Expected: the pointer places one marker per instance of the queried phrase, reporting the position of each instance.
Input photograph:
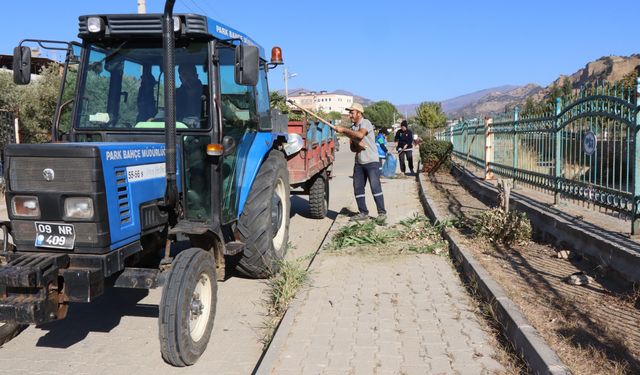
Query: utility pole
(286, 81)
(142, 6)
(286, 87)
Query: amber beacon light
(276, 56)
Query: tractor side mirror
(247, 65)
(228, 145)
(21, 65)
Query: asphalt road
(118, 332)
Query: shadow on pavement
(101, 315)
(300, 206)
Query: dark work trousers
(362, 173)
(408, 153)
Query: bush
(502, 227)
(35, 103)
(435, 154)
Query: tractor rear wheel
(264, 223)
(188, 307)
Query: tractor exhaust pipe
(168, 44)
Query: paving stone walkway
(400, 314)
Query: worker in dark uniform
(404, 139)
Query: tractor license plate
(55, 236)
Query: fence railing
(585, 147)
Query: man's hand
(357, 147)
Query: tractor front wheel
(9, 331)
(188, 307)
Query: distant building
(37, 63)
(322, 101)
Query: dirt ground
(594, 328)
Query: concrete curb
(540, 358)
(270, 356)
(611, 250)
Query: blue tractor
(150, 179)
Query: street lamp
(287, 75)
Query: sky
(403, 51)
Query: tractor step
(233, 247)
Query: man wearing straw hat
(367, 164)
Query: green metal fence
(583, 147)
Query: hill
(607, 68)
(459, 102)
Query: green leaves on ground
(361, 234)
(415, 234)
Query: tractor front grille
(69, 174)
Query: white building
(322, 101)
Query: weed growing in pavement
(509, 228)
(281, 290)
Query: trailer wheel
(9, 331)
(264, 223)
(319, 196)
(188, 307)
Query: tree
(8, 92)
(333, 116)
(381, 114)
(37, 105)
(628, 82)
(279, 102)
(529, 105)
(567, 88)
(430, 115)
(556, 92)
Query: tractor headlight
(95, 24)
(78, 208)
(25, 206)
(176, 24)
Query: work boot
(359, 217)
(381, 219)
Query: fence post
(516, 116)
(488, 148)
(451, 134)
(635, 221)
(16, 130)
(557, 157)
